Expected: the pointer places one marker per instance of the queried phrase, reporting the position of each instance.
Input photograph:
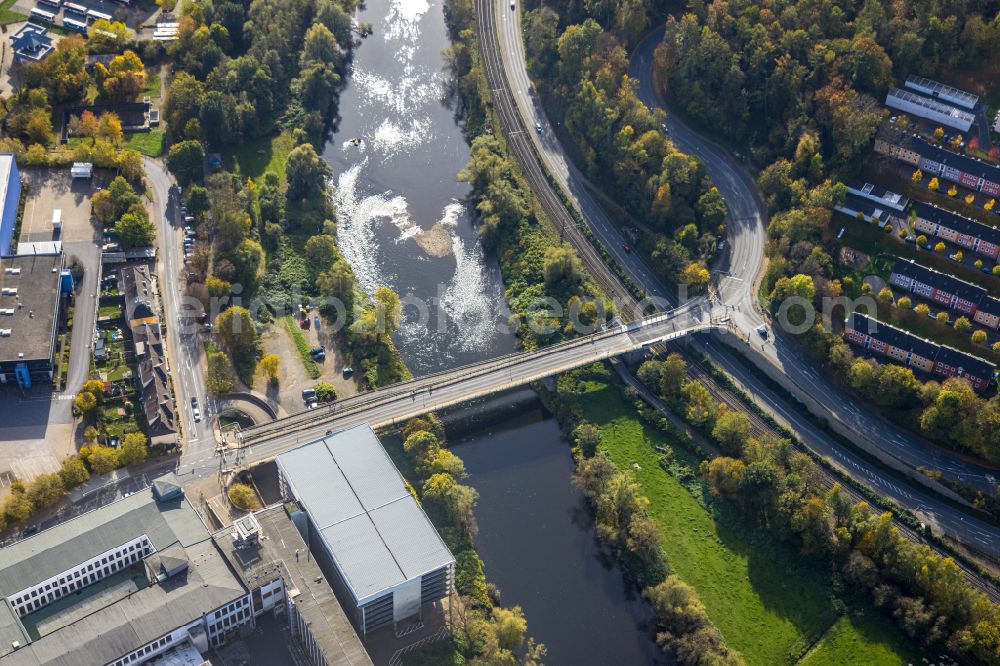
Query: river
(537, 539)
(403, 218)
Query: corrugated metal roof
(376, 533)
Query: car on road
(513, 5)
(348, 371)
(194, 401)
(762, 331)
(538, 127)
(626, 247)
(197, 415)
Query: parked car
(762, 331)
(953, 257)
(911, 240)
(308, 394)
(197, 415)
(513, 6)
(318, 353)
(194, 401)
(348, 371)
(987, 270)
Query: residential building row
(934, 160)
(152, 377)
(948, 291)
(881, 207)
(916, 352)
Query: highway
(736, 285)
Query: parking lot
(54, 189)
(134, 16)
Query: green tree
(561, 268)
(102, 459)
(133, 449)
(186, 160)
(270, 364)
(219, 378)
(321, 252)
(237, 331)
(732, 430)
(73, 472)
(135, 230)
(84, 402)
(963, 325)
(701, 407)
(306, 173)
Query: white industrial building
(942, 91)
(930, 109)
(381, 553)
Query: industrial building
(932, 109)
(119, 585)
(10, 198)
(31, 288)
(942, 91)
(381, 553)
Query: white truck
(57, 219)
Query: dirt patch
(856, 259)
(292, 375)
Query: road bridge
(399, 402)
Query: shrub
(904, 302)
(979, 338)
(242, 496)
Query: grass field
(148, 143)
(770, 603)
(8, 15)
(869, 638)
(254, 158)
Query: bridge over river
(399, 402)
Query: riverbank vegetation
(482, 632)
(778, 491)
(255, 75)
(765, 600)
(753, 74)
(534, 261)
(577, 55)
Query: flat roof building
(379, 549)
(118, 585)
(10, 198)
(942, 91)
(30, 290)
(931, 109)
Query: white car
(197, 415)
(513, 6)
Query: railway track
(523, 150)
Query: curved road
(737, 290)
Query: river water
(403, 219)
(537, 539)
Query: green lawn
(254, 158)
(152, 85)
(770, 603)
(8, 15)
(148, 143)
(109, 311)
(869, 638)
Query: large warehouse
(10, 198)
(381, 553)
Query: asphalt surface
(736, 286)
(399, 402)
(184, 343)
(740, 193)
